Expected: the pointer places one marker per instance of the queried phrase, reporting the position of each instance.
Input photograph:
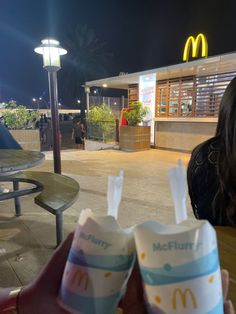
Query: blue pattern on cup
(103, 262)
(172, 274)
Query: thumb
(228, 307)
(54, 269)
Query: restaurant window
(186, 98)
(191, 96)
(174, 93)
(175, 97)
(162, 91)
(209, 92)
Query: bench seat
(58, 192)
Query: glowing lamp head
(87, 89)
(51, 51)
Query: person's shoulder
(204, 148)
(204, 155)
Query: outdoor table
(227, 250)
(15, 160)
(12, 160)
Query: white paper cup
(98, 267)
(180, 267)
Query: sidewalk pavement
(27, 242)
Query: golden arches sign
(183, 298)
(194, 43)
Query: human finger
(54, 269)
(133, 301)
(228, 307)
(225, 282)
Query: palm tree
(86, 60)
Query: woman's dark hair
(225, 199)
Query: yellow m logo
(195, 44)
(78, 278)
(183, 297)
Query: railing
(105, 131)
(114, 103)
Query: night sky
(140, 35)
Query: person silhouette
(7, 141)
(211, 172)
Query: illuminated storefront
(187, 95)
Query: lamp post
(87, 92)
(51, 51)
(35, 100)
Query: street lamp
(87, 92)
(51, 51)
(35, 100)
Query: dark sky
(141, 34)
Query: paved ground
(27, 242)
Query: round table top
(18, 159)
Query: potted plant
(135, 137)
(101, 128)
(22, 124)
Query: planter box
(134, 138)
(28, 139)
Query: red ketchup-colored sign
(123, 121)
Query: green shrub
(102, 119)
(136, 114)
(11, 104)
(20, 118)
(100, 113)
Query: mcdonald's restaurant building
(184, 98)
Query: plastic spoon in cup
(178, 188)
(114, 194)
